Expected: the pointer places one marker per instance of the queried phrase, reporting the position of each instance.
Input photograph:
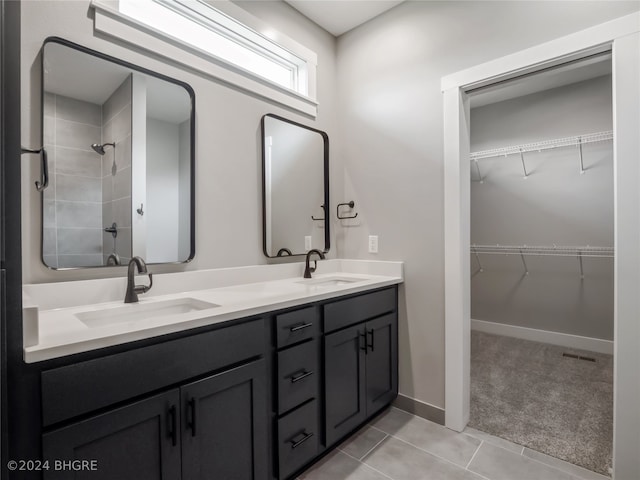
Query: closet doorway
(622, 38)
(541, 266)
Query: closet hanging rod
(565, 251)
(543, 145)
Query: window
(220, 39)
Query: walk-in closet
(542, 284)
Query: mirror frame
(327, 210)
(192, 145)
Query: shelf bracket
(580, 155)
(524, 167)
(524, 263)
(580, 260)
(475, 160)
(478, 260)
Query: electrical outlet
(307, 243)
(373, 244)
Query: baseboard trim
(554, 338)
(421, 409)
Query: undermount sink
(330, 281)
(135, 312)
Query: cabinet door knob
(192, 416)
(371, 345)
(173, 425)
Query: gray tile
(117, 101)
(80, 189)
(49, 241)
(497, 441)
(499, 464)
(121, 212)
(402, 461)
(76, 135)
(49, 130)
(338, 465)
(79, 214)
(123, 242)
(362, 442)
(68, 108)
(74, 241)
(570, 468)
(120, 125)
(73, 261)
(72, 161)
(107, 189)
(107, 161)
(49, 104)
(428, 436)
(123, 153)
(48, 212)
(122, 183)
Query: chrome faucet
(132, 289)
(308, 270)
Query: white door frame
(623, 38)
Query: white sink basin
(330, 281)
(135, 312)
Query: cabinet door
(224, 425)
(141, 440)
(344, 363)
(382, 362)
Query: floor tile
(362, 442)
(340, 466)
(402, 461)
(497, 463)
(580, 472)
(428, 436)
(497, 441)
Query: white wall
(389, 73)
(555, 204)
(229, 171)
(163, 191)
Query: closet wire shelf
(577, 140)
(555, 250)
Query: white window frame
(235, 24)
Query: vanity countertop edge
(57, 332)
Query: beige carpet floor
(529, 393)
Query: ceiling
(340, 16)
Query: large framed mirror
(120, 144)
(295, 170)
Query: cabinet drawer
(293, 327)
(86, 386)
(347, 312)
(297, 375)
(297, 439)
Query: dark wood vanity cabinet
(212, 427)
(261, 398)
(360, 361)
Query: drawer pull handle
(304, 374)
(300, 327)
(192, 422)
(306, 437)
(173, 425)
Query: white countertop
(53, 328)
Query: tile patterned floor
(399, 446)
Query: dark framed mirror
(120, 140)
(295, 187)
